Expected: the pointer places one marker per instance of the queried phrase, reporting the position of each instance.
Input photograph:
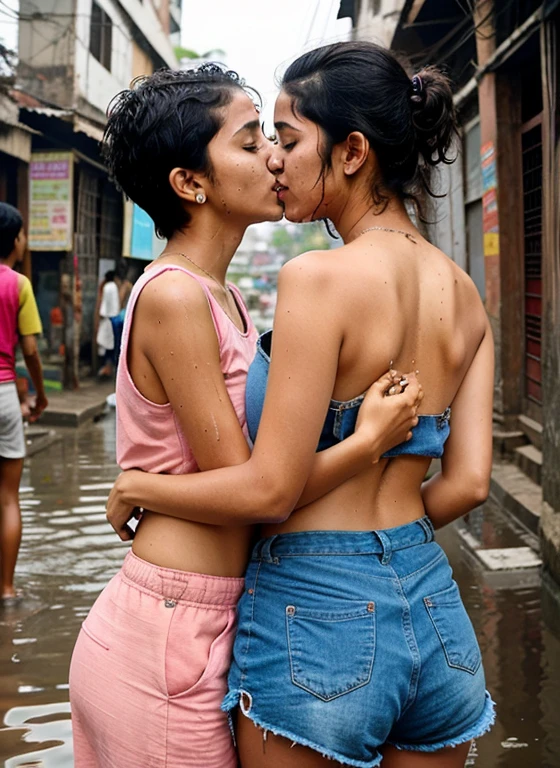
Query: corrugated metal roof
(49, 111)
(91, 130)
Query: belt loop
(426, 524)
(386, 545)
(266, 550)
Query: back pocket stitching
(329, 618)
(432, 602)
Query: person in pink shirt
(19, 322)
(148, 672)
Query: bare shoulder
(310, 268)
(170, 293)
(466, 285)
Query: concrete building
(500, 220)
(74, 56)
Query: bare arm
(466, 466)
(35, 369)
(173, 345)
(268, 486)
(173, 330)
(373, 436)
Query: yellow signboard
(491, 244)
(51, 189)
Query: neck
(10, 261)
(210, 242)
(359, 214)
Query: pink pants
(149, 670)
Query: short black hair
(110, 276)
(360, 86)
(11, 224)
(162, 122)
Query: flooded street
(69, 552)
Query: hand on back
(390, 410)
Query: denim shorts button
(290, 610)
(170, 603)
(371, 607)
(250, 591)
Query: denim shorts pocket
(331, 652)
(454, 629)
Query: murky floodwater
(69, 552)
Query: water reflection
(69, 553)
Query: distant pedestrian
(110, 307)
(125, 287)
(19, 321)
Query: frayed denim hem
(482, 726)
(236, 698)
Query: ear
(355, 152)
(186, 184)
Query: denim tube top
(428, 437)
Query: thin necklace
(388, 229)
(225, 290)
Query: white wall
(379, 27)
(448, 213)
(93, 82)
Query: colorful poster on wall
(142, 231)
(139, 238)
(490, 222)
(51, 188)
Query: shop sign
(490, 223)
(51, 186)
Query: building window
(100, 35)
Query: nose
(275, 163)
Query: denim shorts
(350, 640)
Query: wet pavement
(69, 552)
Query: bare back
(405, 305)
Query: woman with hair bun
(353, 643)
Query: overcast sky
(258, 36)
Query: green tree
(187, 53)
(301, 238)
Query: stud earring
(200, 198)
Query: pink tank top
(9, 308)
(149, 435)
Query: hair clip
(417, 84)
(418, 95)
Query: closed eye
(289, 146)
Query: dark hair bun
(433, 115)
